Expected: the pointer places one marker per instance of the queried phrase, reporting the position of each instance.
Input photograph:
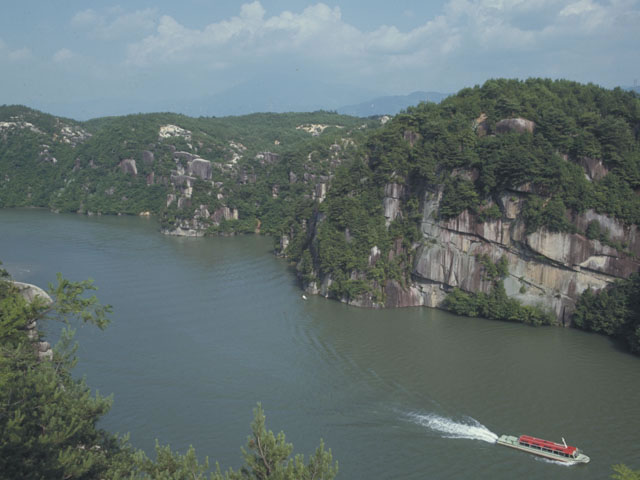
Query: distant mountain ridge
(392, 104)
(274, 93)
(278, 94)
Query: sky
(106, 57)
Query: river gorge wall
(545, 269)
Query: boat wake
(468, 428)
(555, 462)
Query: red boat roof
(547, 444)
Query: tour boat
(551, 450)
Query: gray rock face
(32, 293)
(284, 242)
(245, 178)
(184, 232)
(267, 158)
(519, 125)
(224, 213)
(184, 202)
(200, 168)
(128, 166)
(481, 125)
(183, 156)
(562, 266)
(411, 137)
(201, 212)
(320, 192)
(397, 296)
(391, 201)
(148, 157)
(182, 180)
(594, 168)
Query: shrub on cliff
(614, 311)
(495, 305)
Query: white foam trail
(471, 428)
(555, 462)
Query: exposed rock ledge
(31, 292)
(183, 232)
(545, 269)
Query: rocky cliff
(460, 188)
(546, 269)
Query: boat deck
(514, 442)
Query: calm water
(203, 329)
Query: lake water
(203, 329)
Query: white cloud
(114, 23)
(85, 19)
(535, 36)
(16, 55)
(20, 54)
(582, 7)
(63, 55)
(319, 30)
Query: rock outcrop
(32, 293)
(148, 157)
(128, 166)
(391, 202)
(593, 167)
(546, 269)
(199, 167)
(518, 125)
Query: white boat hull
(512, 442)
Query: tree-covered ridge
(48, 419)
(133, 164)
(562, 147)
(573, 125)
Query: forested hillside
(507, 200)
(206, 174)
(538, 176)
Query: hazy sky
(53, 52)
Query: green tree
(622, 472)
(268, 456)
(48, 419)
(614, 311)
